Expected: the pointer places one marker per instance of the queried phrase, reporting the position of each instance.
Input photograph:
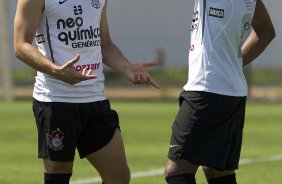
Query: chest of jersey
(230, 16)
(74, 21)
(219, 28)
(66, 8)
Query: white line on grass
(155, 172)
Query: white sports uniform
(218, 31)
(67, 28)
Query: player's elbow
(17, 52)
(18, 49)
(267, 34)
(272, 33)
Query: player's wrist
(54, 70)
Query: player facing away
(69, 103)
(207, 131)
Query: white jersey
(218, 30)
(67, 28)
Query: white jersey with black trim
(219, 28)
(67, 28)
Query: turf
(146, 130)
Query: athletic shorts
(65, 127)
(208, 130)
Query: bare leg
(176, 167)
(110, 161)
(57, 167)
(214, 176)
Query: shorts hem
(106, 142)
(56, 159)
(203, 163)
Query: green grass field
(146, 132)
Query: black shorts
(208, 130)
(65, 127)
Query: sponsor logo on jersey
(96, 4)
(74, 32)
(62, 1)
(247, 26)
(214, 12)
(92, 66)
(40, 38)
(55, 140)
(87, 37)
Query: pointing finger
(84, 71)
(89, 72)
(150, 81)
(156, 85)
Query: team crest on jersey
(55, 140)
(96, 4)
(247, 26)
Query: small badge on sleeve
(40, 38)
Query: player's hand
(137, 74)
(66, 72)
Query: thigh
(110, 161)
(99, 125)
(57, 130)
(208, 129)
(189, 126)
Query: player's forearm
(114, 58)
(32, 57)
(255, 44)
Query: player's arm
(113, 57)
(27, 19)
(263, 33)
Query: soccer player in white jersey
(207, 131)
(69, 103)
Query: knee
(169, 170)
(176, 167)
(121, 176)
(214, 173)
(166, 171)
(57, 167)
(124, 176)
